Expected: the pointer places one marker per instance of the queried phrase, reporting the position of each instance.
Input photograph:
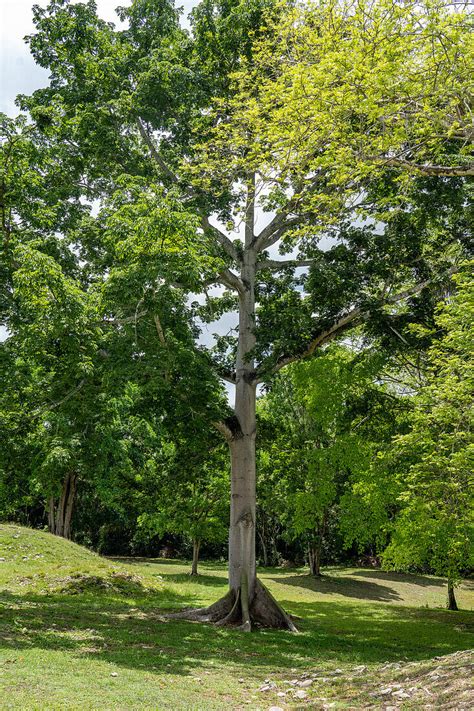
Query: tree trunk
(451, 603)
(314, 557)
(242, 565)
(261, 534)
(194, 566)
(59, 518)
(247, 601)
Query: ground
(82, 632)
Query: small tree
(435, 459)
(323, 433)
(192, 502)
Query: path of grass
(81, 632)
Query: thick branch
(275, 229)
(349, 320)
(447, 171)
(227, 377)
(223, 240)
(345, 322)
(224, 430)
(155, 153)
(126, 319)
(275, 264)
(231, 280)
(159, 330)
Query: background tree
(329, 417)
(435, 459)
(191, 500)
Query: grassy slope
(70, 619)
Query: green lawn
(80, 631)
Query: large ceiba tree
(334, 133)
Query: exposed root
(231, 611)
(266, 611)
(233, 616)
(213, 613)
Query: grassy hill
(79, 631)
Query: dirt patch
(439, 683)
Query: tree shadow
(348, 587)
(132, 632)
(210, 564)
(200, 579)
(421, 580)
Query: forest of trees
(302, 174)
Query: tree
(196, 117)
(323, 422)
(190, 496)
(434, 460)
(76, 396)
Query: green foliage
(434, 460)
(323, 421)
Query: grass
(79, 631)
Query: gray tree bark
(242, 566)
(451, 602)
(194, 565)
(314, 557)
(60, 516)
(247, 601)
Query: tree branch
(275, 229)
(126, 319)
(349, 320)
(224, 430)
(223, 240)
(231, 280)
(228, 378)
(427, 169)
(345, 322)
(275, 264)
(155, 153)
(159, 330)
(58, 403)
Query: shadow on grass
(130, 632)
(348, 587)
(178, 577)
(421, 580)
(212, 580)
(210, 564)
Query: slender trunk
(69, 507)
(196, 547)
(261, 534)
(314, 557)
(451, 603)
